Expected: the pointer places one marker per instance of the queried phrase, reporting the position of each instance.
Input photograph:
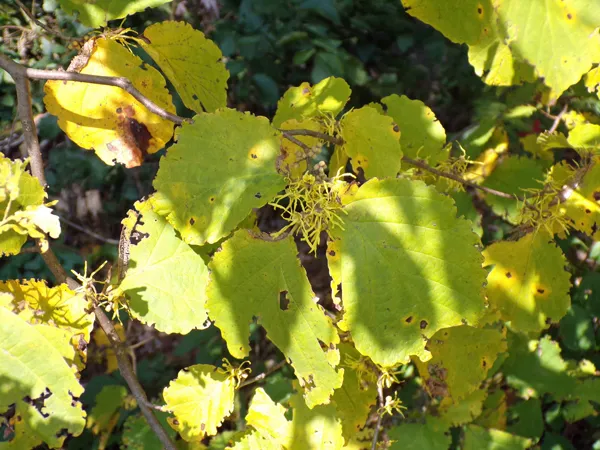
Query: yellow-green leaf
(199, 76)
(201, 397)
(106, 118)
(31, 366)
(421, 134)
(409, 267)
(223, 166)
(419, 436)
(251, 277)
(326, 98)
(477, 438)
(267, 417)
(371, 140)
(97, 13)
(461, 358)
(528, 283)
(166, 280)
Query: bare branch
(89, 232)
(265, 374)
(317, 134)
(557, 120)
(298, 142)
(379, 416)
(451, 176)
(41, 25)
(20, 77)
(120, 82)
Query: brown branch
(298, 142)
(41, 25)
(20, 77)
(557, 119)
(317, 134)
(89, 232)
(451, 176)
(379, 416)
(120, 82)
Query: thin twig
(41, 25)
(265, 374)
(379, 416)
(19, 75)
(451, 176)
(298, 142)
(557, 119)
(36, 74)
(89, 232)
(317, 134)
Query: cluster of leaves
(412, 284)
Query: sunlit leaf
(201, 397)
(31, 366)
(223, 166)
(326, 98)
(371, 140)
(461, 358)
(477, 438)
(98, 12)
(199, 76)
(166, 280)
(528, 283)
(251, 277)
(421, 134)
(408, 268)
(106, 118)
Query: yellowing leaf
(31, 366)
(453, 413)
(421, 134)
(58, 313)
(461, 358)
(267, 417)
(406, 234)
(585, 136)
(293, 159)
(107, 119)
(592, 80)
(318, 428)
(353, 399)
(327, 97)
(21, 208)
(97, 13)
(201, 397)
(223, 166)
(251, 277)
(371, 140)
(167, 278)
(562, 47)
(528, 283)
(199, 75)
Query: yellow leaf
(199, 75)
(106, 118)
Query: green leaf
(528, 283)
(97, 13)
(453, 414)
(403, 242)
(201, 397)
(525, 419)
(104, 414)
(199, 76)
(137, 434)
(371, 140)
(31, 366)
(166, 280)
(477, 438)
(577, 329)
(418, 436)
(354, 399)
(460, 359)
(560, 61)
(585, 138)
(304, 102)
(513, 175)
(421, 134)
(222, 167)
(251, 277)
